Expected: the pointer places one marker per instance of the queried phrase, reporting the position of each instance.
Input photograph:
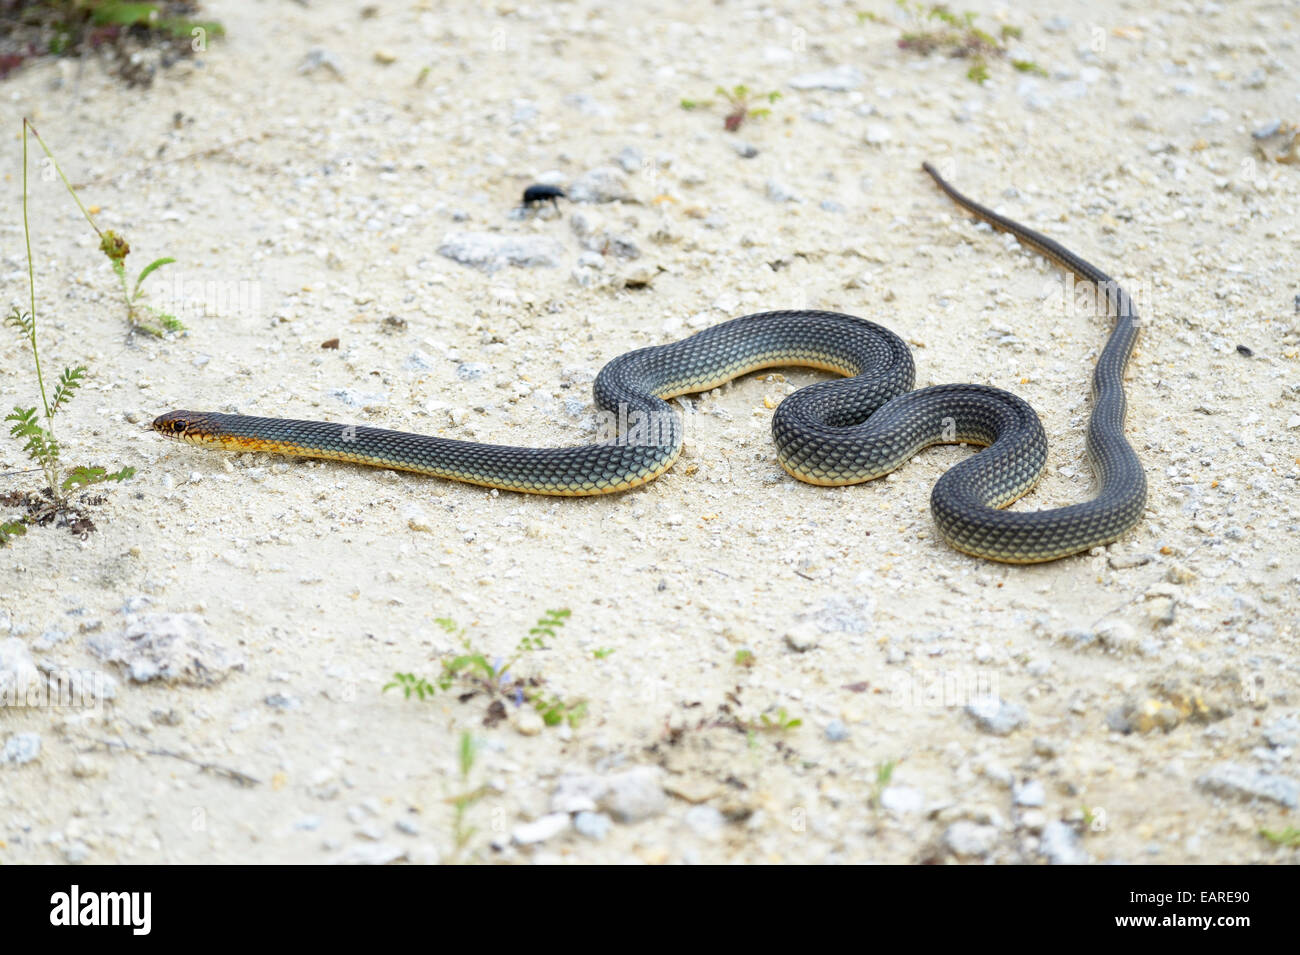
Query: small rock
(1033, 820)
(1046, 748)
(21, 748)
(969, 839)
(490, 251)
(417, 519)
(602, 184)
(76, 852)
(84, 767)
(705, 821)
(836, 731)
(357, 399)
(19, 678)
(471, 371)
(577, 792)
(1243, 782)
(320, 58)
(904, 800)
(780, 192)
(1160, 611)
(635, 794)
(878, 134)
(994, 715)
(547, 827)
(1283, 732)
(838, 79)
(1118, 635)
(372, 853)
(1030, 793)
(1060, 845)
(802, 637)
(172, 647)
(418, 361)
(593, 825)
(745, 150)
(528, 722)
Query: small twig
(234, 775)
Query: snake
(851, 429)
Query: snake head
(182, 425)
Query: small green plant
(144, 317)
(1289, 837)
(884, 773)
(11, 529)
(782, 722)
(34, 426)
(149, 16)
(956, 35)
(120, 28)
(555, 711)
(411, 685)
(602, 652)
(744, 658)
(461, 803)
(139, 315)
(496, 678)
(545, 627)
(739, 109)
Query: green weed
(472, 672)
(930, 28)
(739, 109)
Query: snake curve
(842, 431)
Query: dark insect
(540, 193)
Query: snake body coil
(843, 431)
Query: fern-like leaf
(39, 444)
(20, 320)
(68, 384)
(85, 477)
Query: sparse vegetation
(474, 673)
(461, 802)
(930, 28)
(119, 31)
(115, 247)
(1288, 837)
(739, 100)
(884, 773)
(782, 722)
(34, 425)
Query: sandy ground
(1136, 704)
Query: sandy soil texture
(757, 670)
